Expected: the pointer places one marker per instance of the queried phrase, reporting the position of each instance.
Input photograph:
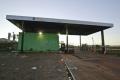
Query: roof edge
(26, 18)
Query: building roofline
(53, 20)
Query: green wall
(37, 42)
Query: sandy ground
(42, 66)
(93, 67)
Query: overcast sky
(86, 10)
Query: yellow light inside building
(40, 33)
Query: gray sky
(86, 10)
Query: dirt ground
(93, 66)
(50, 66)
(38, 66)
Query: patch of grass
(111, 52)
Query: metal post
(80, 42)
(66, 37)
(93, 45)
(93, 41)
(103, 42)
(22, 37)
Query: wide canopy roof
(50, 25)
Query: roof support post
(22, 37)
(103, 42)
(80, 42)
(66, 37)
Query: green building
(39, 42)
